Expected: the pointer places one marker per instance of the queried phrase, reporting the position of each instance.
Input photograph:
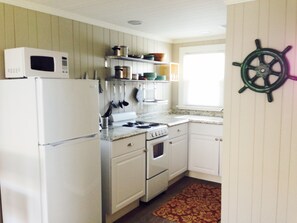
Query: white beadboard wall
(86, 45)
(259, 183)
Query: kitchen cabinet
(204, 148)
(178, 150)
(123, 172)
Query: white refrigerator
(49, 151)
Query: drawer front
(178, 130)
(127, 145)
(206, 129)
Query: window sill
(200, 108)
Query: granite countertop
(175, 119)
(116, 133)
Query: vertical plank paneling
(98, 37)
(246, 127)
(2, 40)
(292, 184)
(55, 33)
(286, 125)
(9, 26)
(32, 28)
(83, 49)
(76, 50)
(21, 27)
(66, 42)
(259, 121)
(44, 34)
(85, 44)
(271, 185)
(227, 117)
(235, 114)
(90, 53)
(273, 120)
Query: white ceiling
(173, 20)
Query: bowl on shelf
(158, 56)
(161, 78)
(150, 75)
(148, 57)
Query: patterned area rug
(197, 203)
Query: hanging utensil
(114, 94)
(109, 110)
(125, 103)
(100, 87)
(120, 93)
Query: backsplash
(115, 91)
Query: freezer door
(71, 182)
(67, 109)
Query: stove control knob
(152, 134)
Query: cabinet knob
(216, 139)
(178, 130)
(130, 144)
(170, 142)
(221, 140)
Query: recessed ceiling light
(135, 22)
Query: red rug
(197, 203)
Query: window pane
(203, 77)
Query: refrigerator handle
(78, 139)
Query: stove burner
(143, 126)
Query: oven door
(157, 156)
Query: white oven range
(157, 161)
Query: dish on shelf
(150, 75)
(135, 56)
(158, 56)
(161, 78)
(148, 57)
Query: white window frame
(191, 50)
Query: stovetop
(141, 124)
(153, 130)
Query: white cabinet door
(178, 156)
(204, 154)
(128, 179)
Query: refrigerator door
(71, 181)
(67, 109)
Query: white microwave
(30, 62)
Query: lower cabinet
(128, 179)
(204, 148)
(123, 173)
(178, 150)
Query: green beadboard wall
(85, 44)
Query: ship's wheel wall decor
(265, 70)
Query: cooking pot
(118, 72)
(120, 51)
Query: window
(201, 84)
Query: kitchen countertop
(116, 133)
(175, 119)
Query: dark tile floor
(144, 213)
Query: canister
(124, 51)
(118, 72)
(127, 72)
